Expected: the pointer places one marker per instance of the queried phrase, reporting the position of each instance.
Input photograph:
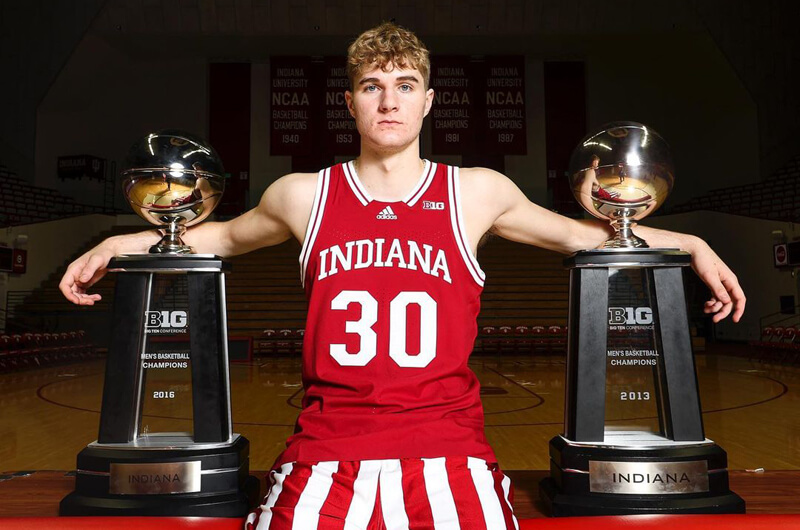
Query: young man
(391, 431)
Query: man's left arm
(503, 209)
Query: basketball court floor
(47, 415)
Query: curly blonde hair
(387, 46)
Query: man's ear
(348, 97)
(428, 101)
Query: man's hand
(726, 293)
(92, 266)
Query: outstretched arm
(511, 215)
(282, 212)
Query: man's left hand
(726, 293)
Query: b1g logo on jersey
(163, 322)
(432, 205)
(630, 316)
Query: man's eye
(406, 88)
(370, 88)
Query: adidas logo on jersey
(386, 213)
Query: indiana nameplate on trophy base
(648, 478)
(154, 479)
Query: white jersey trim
(355, 184)
(459, 230)
(315, 220)
(361, 193)
(422, 184)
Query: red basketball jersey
(394, 292)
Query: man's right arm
(283, 211)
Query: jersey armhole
(459, 228)
(314, 220)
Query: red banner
(292, 102)
(339, 133)
(503, 114)
(453, 109)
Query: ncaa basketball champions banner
(292, 104)
(502, 90)
(338, 127)
(479, 104)
(453, 110)
(308, 111)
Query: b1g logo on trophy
(168, 358)
(633, 437)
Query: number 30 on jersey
(398, 312)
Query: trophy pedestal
(639, 476)
(629, 343)
(168, 360)
(164, 475)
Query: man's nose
(388, 101)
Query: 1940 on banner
(292, 101)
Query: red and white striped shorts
(461, 493)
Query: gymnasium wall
(109, 94)
(51, 244)
(105, 99)
(745, 244)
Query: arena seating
(23, 203)
(524, 302)
(37, 349)
(777, 344)
(777, 197)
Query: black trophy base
(572, 491)
(222, 477)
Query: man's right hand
(92, 266)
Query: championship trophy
(168, 357)
(633, 438)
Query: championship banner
(453, 110)
(291, 104)
(503, 117)
(339, 134)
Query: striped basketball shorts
(453, 493)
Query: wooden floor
(752, 410)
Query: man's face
(389, 106)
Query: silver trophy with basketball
(633, 439)
(622, 174)
(173, 180)
(167, 366)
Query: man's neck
(389, 177)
